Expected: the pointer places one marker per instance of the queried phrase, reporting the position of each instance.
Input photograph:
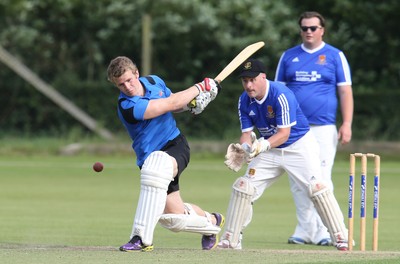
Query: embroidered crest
(270, 112)
(321, 59)
(247, 65)
(252, 172)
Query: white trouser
(309, 226)
(299, 161)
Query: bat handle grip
(192, 104)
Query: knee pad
(157, 170)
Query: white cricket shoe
(226, 244)
(342, 245)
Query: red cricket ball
(98, 166)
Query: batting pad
(329, 211)
(188, 223)
(156, 174)
(239, 210)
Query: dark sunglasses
(313, 28)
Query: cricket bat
(235, 63)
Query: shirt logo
(270, 112)
(304, 76)
(267, 131)
(252, 113)
(296, 59)
(321, 59)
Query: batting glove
(209, 85)
(215, 87)
(202, 100)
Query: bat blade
(238, 60)
(235, 63)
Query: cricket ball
(98, 166)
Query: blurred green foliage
(68, 43)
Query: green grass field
(56, 209)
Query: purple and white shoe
(211, 241)
(135, 244)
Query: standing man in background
(317, 73)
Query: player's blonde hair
(119, 66)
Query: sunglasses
(312, 28)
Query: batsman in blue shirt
(145, 107)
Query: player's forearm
(174, 103)
(245, 138)
(346, 105)
(277, 140)
(181, 99)
(280, 137)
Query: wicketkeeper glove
(258, 145)
(236, 156)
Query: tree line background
(69, 43)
